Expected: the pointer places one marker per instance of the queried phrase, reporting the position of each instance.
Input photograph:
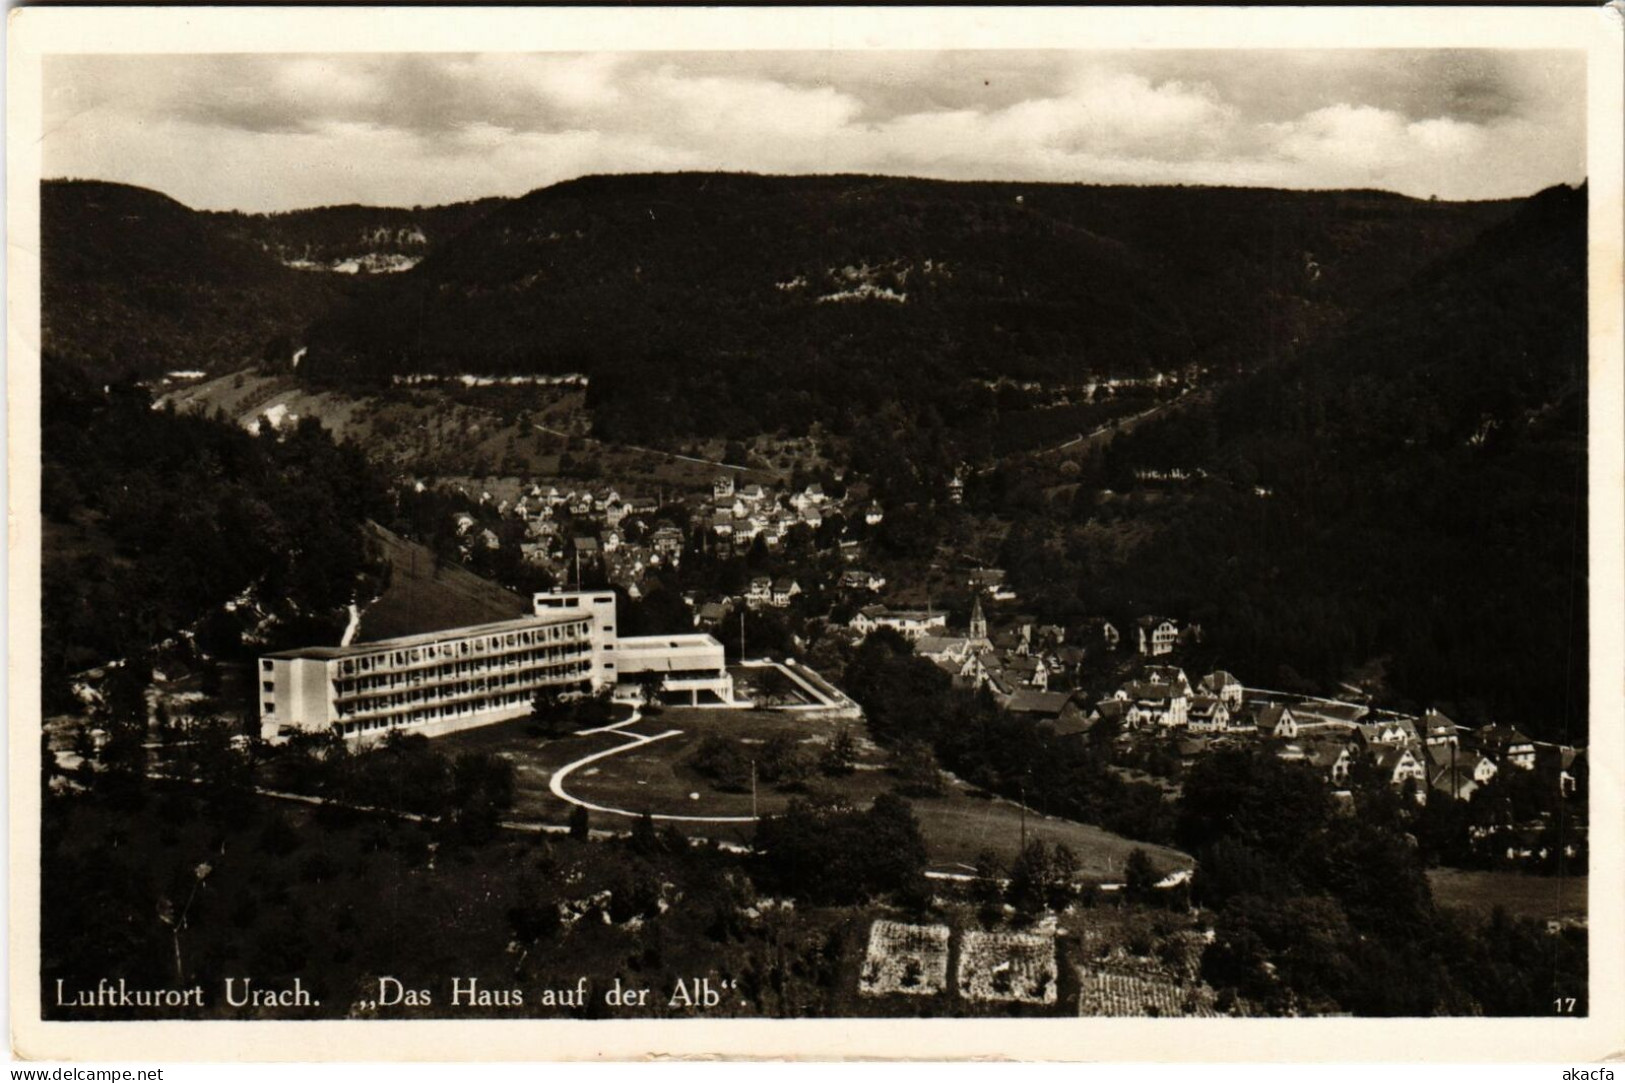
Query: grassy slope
(465, 437)
(422, 597)
(1538, 897)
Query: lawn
(656, 777)
(1539, 897)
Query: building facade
(430, 684)
(439, 682)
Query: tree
(645, 841)
(1031, 877)
(548, 714)
(579, 825)
(1139, 877)
(482, 786)
(917, 772)
(826, 852)
(987, 889)
(784, 762)
(838, 758)
(652, 684)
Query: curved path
(634, 740)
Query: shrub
(723, 761)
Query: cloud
(274, 132)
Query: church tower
(978, 622)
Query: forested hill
(133, 282)
(1408, 500)
(733, 304)
(169, 528)
(352, 238)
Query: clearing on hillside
(426, 595)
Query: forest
(328, 234)
(1404, 505)
(134, 284)
(724, 304)
(155, 521)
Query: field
(1007, 966)
(469, 434)
(425, 596)
(1123, 993)
(902, 958)
(1540, 897)
(655, 776)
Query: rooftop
(356, 650)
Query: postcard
(1044, 534)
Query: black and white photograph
(993, 532)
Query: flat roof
(354, 650)
(666, 643)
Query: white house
(1157, 635)
(909, 623)
(1208, 714)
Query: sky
(277, 132)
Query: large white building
(439, 682)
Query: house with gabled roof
(1439, 730)
(1457, 771)
(1016, 639)
(1029, 670)
(1189, 750)
(1168, 675)
(1155, 703)
(1157, 635)
(1037, 703)
(1332, 758)
(1099, 630)
(1277, 720)
(1400, 764)
(909, 623)
(1224, 685)
(784, 590)
(1389, 731)
(858, 579)
(1112, 709)
(667, 540)
(1507, 744)
(1208, 714)
(712, 614)
(985, 578)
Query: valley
(1144, 532)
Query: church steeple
(978, 622)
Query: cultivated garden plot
(1121, 993)
(1007, 966)
(905, 959)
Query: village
(1118, 680)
